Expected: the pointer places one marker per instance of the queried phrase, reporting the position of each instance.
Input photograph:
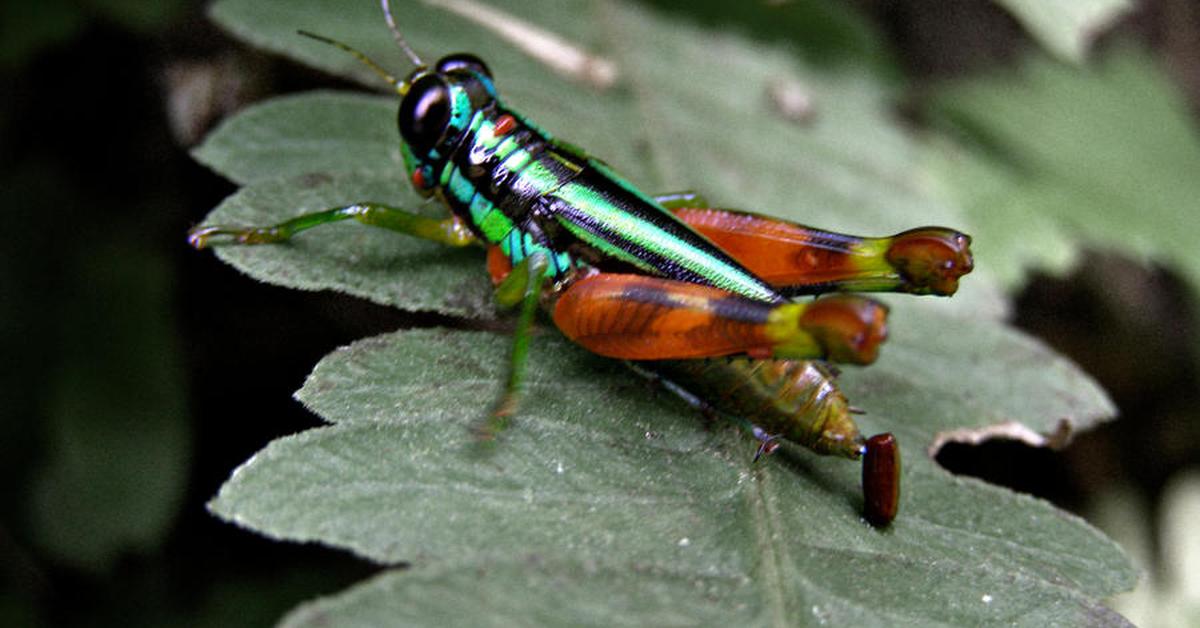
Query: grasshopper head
(436, 107)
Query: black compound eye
(424, 113)
(463, 61)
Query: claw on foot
(198, 237)
(202, 237)
(767, 443)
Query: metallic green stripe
(634, 233)
(480, 207)
(506, 147)
(495, 226)
(537, 176)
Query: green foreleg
(450, 231)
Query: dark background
(137, 373)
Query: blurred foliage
(118, 441)
(96, 431)
(1053, 158)
(1170, 595)
(98, 509)
(1067, 29)
(41, 25)
(29, 28)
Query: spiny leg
(450, 231)
(635, 317)
(523, 286)
(803, 260)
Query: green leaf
(1066, 29)
(320, 133)
(597, 476)
(1061, 158)
(597, 471)
(582, 594)
(569, 594)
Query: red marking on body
(418, 179)
(504, 125)
(498, 264)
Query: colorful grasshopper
(700, 299)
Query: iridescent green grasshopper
(700, 299)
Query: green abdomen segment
(795, 399)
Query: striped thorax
(519, 188)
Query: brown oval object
(881, 480)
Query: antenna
(378, 69)
(391, 22)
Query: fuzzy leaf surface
(601, 475)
